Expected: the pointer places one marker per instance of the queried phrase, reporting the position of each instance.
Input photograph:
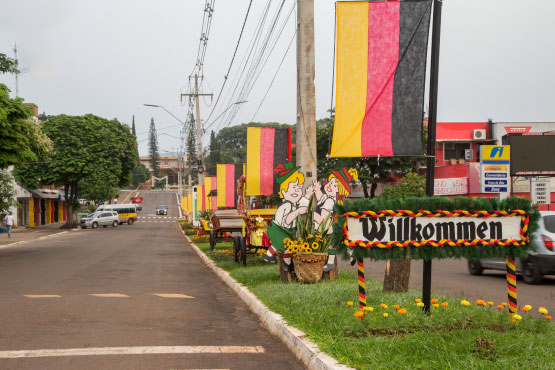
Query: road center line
(110, 295)
(103, 351)
(171, 295)
(33, 296)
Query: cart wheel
(244, 251)
(236, 248)
(212, 240)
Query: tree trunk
(397, 273)
(373, 190)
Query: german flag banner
(381, 68)
(209, 185)
(266, 148)
(227, 176)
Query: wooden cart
(224, 221)
(253, 234)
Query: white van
(127, 212)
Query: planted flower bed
(394, 333)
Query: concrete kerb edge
(303, 348)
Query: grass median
(394, 333)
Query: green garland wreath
(434, 204)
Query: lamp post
(180, 161)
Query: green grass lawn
(452, 337)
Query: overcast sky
(109, 57)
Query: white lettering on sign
(401, 229)
(452, 186)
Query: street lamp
(179, 160)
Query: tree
(214, 156)
(140, 174)
(7, 64)
(153, 148)
(133, 127)
(89, 153)
(397, 272)
(7, 192)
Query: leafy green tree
(7, 64)
(153, 148)
(88, 152)
(214, 155)
(140, 174)
(7, 192)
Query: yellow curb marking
(33, 296)
(110, 295)
(169, 295)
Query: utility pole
(199, 131)
(306, 97)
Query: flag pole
(431, 152)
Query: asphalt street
(130, 297)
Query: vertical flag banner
(266, 148)
(213, 200)
(201, 198)
(381, 68)
(207, 190)
(227, 175)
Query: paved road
(102, 297)
(450, 277)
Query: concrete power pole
(199, 131)
(306, 97)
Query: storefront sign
(495, 168)
(451, 186)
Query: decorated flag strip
(381, 67)
(227, 176)
(266, 148)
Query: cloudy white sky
(109, 57)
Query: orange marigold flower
(358, 314)
(504, 303)
(436, 305)
(401, 311)
(547, 317)
(383, 305)
(481, 302)
(526, 308)
(500, 306)
(434, 300)
(490, 303)
(396, 306)
(350, 303)
(444, 304)
(418, 300)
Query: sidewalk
(22, 234)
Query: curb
(304, 349)
(15, 244)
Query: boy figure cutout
(284, 223)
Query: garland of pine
(435, 207)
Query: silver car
(540, 260)
(101, 218)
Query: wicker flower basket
(309, 267)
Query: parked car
(101, 218)
(161, 210)
(540, 260)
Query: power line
(231, 63)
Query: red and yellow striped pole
(361, 284)
(511, 285)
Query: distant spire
(133, 127)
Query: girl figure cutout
(336, 188)
(283, 224)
